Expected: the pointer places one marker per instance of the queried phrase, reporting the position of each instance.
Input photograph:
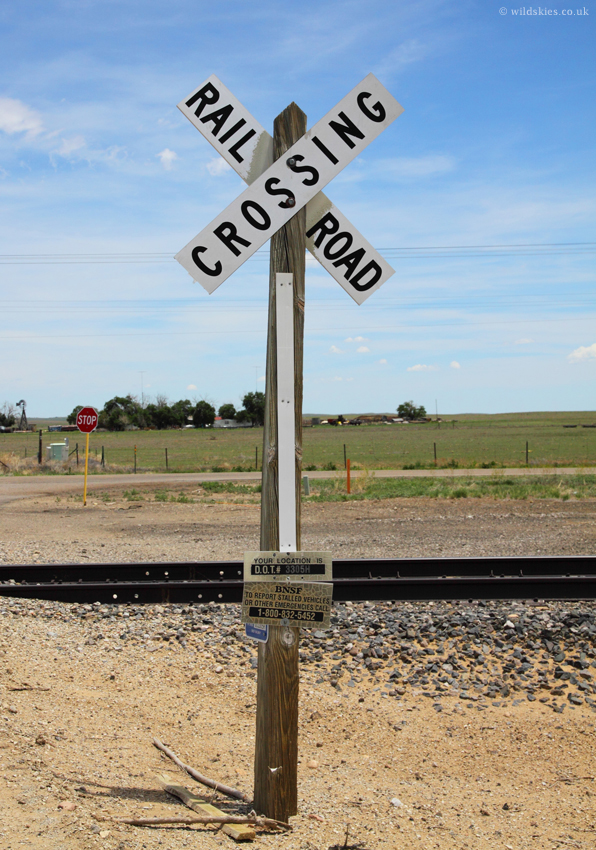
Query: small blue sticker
(257, 632)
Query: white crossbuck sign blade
(278, 190)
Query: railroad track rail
(374, 579)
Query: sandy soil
(79, 711)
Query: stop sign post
(86, 423)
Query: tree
(7, 417)
(158, 416)
(254, 409)
(227, 411)
(72, 417)
(204, 414)
(408, 410)
(121, 412)
(182, 412)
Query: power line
(310, 331)
(159, 306)
(428, 251)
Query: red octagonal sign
(87, 419)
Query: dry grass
(12, 464)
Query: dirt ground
(79, 705)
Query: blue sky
(480, 195)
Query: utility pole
(142, 389)
(276, 745)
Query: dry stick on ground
(254, 820)
(204, 780)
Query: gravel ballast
(421, 725)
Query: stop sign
(87, 419)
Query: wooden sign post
(284, 203)
(276, 741)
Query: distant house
(230, 423)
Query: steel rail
(404, 579)
(167, 571)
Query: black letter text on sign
(302, 173)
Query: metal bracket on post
(286, 440)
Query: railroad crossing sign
(277, 190)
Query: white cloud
(584, 352)
(75, 150)
(523, 341)
(217, 166)
(382, 361)
(16, 117)
(420, 166)
(335, 350)
(69, 147)
(362, 349)
(422, 367)
(337, 378)
(191, 387)
(402, 55)
(262, 378)
(455, 365)
(356, 339)
(167, 157)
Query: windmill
(23, 424)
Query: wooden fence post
(276, 742)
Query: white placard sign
(307, 566)
(285, 603)
(248, 148)
(288, 184)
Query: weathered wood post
(276, 745)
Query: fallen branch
(204, 780)
(251, 819)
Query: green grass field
(495, 486)
(467, 442)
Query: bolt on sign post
(86, 423)
(283, 202)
